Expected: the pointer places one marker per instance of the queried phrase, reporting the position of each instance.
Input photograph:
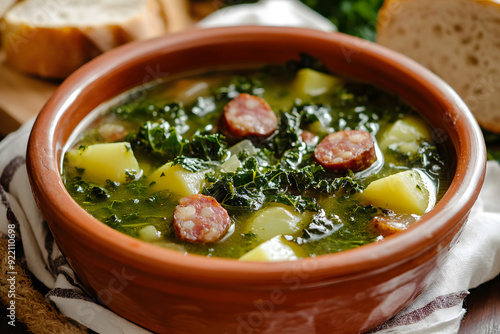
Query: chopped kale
(148, 110)
(252, 185)
(163, 142)
(339, 231)
(428, 157)
(96, 193)
(238, 86)
(208, 147)
(291, 124)
(354, 17)
(89, 192)
(492, 141)
(203, 106)
(300, 203)
(322, 225)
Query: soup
(273, 164)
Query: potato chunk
(404, 192)
(405, 134)
(313, 83)
(275, 220)
(109, 161)
(177, 180)
(275, 249)
(231, 164)
(149, 233)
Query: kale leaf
(354, 17)
(88, 192)
(237, 86)
(162, 141)
(252, 185)
(290, 127)
(151, 110)
(492, 141)
(428, 157)
(322, 225)
(332, 232)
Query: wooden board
(21, 97)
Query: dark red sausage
(200, 218)
(348, 149)
(309, 138)
(249, 116)
(391, 223)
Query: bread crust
(456, 39)
(56, 52)
(46, 52)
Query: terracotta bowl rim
(149, 258)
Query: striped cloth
(473, 260)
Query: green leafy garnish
(163, 142)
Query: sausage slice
(347, 149)
(309, 138)
(201, 219)
(391, 223)
(249, 116)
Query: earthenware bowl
(168, 292)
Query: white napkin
(474, 260)
(284, 13)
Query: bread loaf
(457, 39)
(4, 6)
(52, 38)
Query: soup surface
(272, 164)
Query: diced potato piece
(404, 192)
(404, 135)
(313, 83)
(177, 180)
(170, 245)
(149, 233)
(275, 249)
(275, 220)
(231, 164)
(244, 145)
(110, 161)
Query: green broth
(337, 219)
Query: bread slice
(457, 39)
(53, 38)
(4, 5)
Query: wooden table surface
(483, 309)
